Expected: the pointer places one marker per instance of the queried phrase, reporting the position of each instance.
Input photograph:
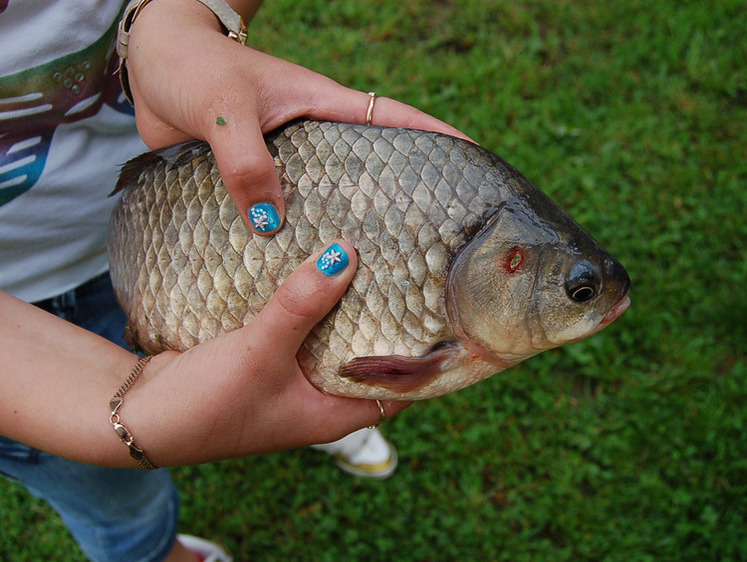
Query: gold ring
(383, 415)
(369, 111)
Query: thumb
(308, 295)
(248, 172)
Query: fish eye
(583, 282)
(583, 293)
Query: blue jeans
(114, 514)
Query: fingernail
(333, 260)
(264, 217)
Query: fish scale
(186, 269)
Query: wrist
(181, 14)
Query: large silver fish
(465, 267)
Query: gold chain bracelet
(124, 434)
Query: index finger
(248, 171)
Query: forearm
(56, 383)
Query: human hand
(243, 393)
(190, 81)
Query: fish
(465, 267)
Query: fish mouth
(615, 312)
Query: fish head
(532, 279)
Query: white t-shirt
(65, 130)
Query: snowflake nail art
(333, 260)
(264, 217)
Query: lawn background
(631, 445)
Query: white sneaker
(209, 551)
(363, 453)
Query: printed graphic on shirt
(34, 102)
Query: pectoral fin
(397, 372)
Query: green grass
(631, 445)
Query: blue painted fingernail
(333, 261)
(264, 217)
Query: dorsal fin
(174, 155)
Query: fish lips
(619, 282)
(617, 271)
(615, 312)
